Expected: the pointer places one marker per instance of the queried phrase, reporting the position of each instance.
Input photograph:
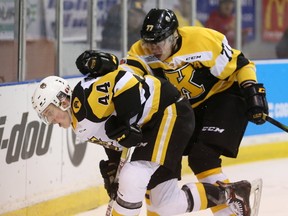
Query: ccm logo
(213, 129)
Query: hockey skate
(237, 196)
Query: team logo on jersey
(76, 105)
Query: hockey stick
(124, 157)
(275, 122)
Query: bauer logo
(26, 139)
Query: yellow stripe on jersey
(135, 65)
(126, 82)
(164, 134)
(152, 103)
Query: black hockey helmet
(158, 25)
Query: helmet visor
(158, 45)
(49, 113)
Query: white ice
(275, 187)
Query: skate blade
(255, 196)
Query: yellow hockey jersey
(204, 65)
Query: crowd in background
(41, 50)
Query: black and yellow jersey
(132, 98)
(204, 65)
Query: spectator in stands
(282, 46)
(223, 20)
(183, 13)
(111, 34)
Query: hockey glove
(126, 135)
(96, 63)
(255, 95)
(108, 171)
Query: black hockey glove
(255, 95)
(96, 63)
(108, 171)
(126, 135)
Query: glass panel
(110, 37)
(263, 25)
(111, 34)
(221, 16)
(75, 31)
(40, 48)
(274, 28)
(8, 46)
(75, 25)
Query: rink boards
(45, 171)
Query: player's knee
(172, 203)
(132, 183)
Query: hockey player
(219, 81)
(111, 104)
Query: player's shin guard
(202, 196)
(211, 176)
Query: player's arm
(236, 64)
(254, 93)
(127, 103)
(135, 65)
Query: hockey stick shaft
(275, 122)
(124, 157)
